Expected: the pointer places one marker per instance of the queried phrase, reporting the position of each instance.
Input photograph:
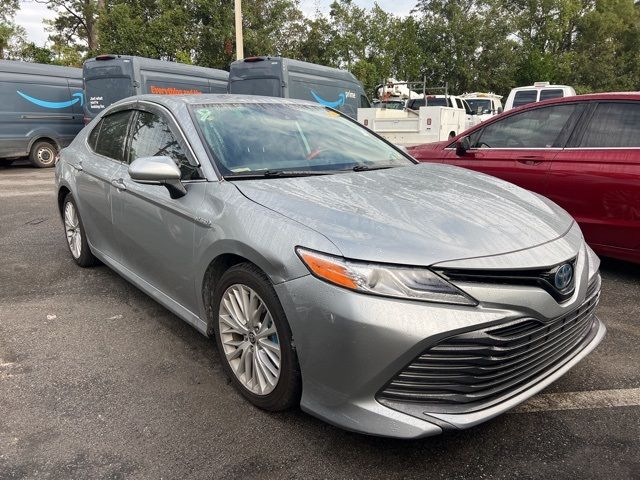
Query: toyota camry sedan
(334, 272)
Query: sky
(32, 13)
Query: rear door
(95, 174)
(597, 177)
(519, 148)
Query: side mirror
(158, 171)
(462, 146)
(500, 110)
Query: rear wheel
(43, 154)
(74, 231)
(254, 339)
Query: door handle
(530, 159)
(119, 184)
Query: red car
(582, 152)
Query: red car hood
(429, 146)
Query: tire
(43, 154)
(286, 392)
(75, 234)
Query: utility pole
(239, 44)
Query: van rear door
(105, 82)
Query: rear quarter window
(93, 136)
(113, 134)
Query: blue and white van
(287, 78)
(109, 78)
(40, 110)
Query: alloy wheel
(249, 339)
(72, 229)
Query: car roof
(633, 96)
(214, 98)
(538, 87)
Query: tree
(605, 53)
(75, 24)
(149, 28)
(11, 35)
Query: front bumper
(351, 345)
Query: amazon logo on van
(79, 97)
(342, 98)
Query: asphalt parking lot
(99, 381)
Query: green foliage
(11, 35)
(473, 45)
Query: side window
(151, 137)
(524, 97)
(551, 93)
(613, 125)
(93, 136)
(537, 128)
(113, 132)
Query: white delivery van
(536, 93)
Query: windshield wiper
(366, 168)
(280, 174)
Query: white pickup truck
(443, 117)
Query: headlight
(594, 262)
(415, 283)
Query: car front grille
(473, 369)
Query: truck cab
(485, 105)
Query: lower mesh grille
(479, 366)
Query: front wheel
(254, 339)
(74, 231)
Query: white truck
(429, 118)
(485, 105)
(414, 127)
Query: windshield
(390, 105)
(263, 138)
(479, 105)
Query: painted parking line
(26, 182)
(625, 397)
(27, 194)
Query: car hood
(415, 215)
(430, 146)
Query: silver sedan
(334, 272)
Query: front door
(155, 232)
(520, 148)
